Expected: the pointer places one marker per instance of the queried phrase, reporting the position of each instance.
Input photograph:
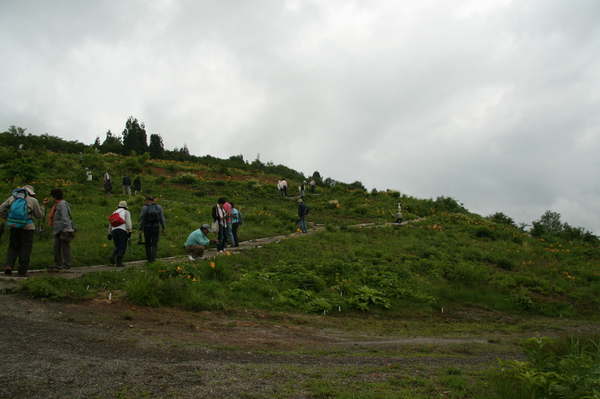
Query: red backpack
(115, 219)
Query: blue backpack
(18, 215)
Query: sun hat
(205, 226)
(300, 200)
(149, 198)
(123, 204)
(29, 190)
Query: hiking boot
(8, 270)
(120, 261)
(112, 257)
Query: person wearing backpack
(219, 216)
(119, 230)
(151, 219)
(237, 220)
(107, 183)
(22, 227)
(302, 212)
(127, 184)
(62, 229)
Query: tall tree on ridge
(134, 137)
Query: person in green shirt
(196, 243)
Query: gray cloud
(493, 103)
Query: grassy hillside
(446, 258)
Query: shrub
(567, 367)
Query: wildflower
(212, 264)
(227, 253)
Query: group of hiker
(120, 229)
(282, 186)
(127, 186)
(21, 209)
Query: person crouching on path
(119, 234)
(62, 228)
(151, 219)
(196, 243)
(21, 238)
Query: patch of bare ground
(106, 349)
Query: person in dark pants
(302, 212)
(21, 238)
(220, 215)
(120, 233)
(235, 224)
(151, 220)
(62, 229)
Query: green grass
(445, 263)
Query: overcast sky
(493, 102)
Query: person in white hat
(21, 238)
(119, 230)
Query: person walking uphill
(107, 183)
(237, 220)
(151, 219)
(302, 212)
(63, 230)
(127, 184)
(20, 220)
(196, 243)
(119, 230)
(219, 216)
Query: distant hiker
(228, 208)
(196, 243)
(398, 215)
(137, 186)
(107, 183)
(88, 173)
(20, 220)
(151, 219)
(303, 188)
(236, 219)
(302, 212)
(220, 218)
(63, 230)
(284, 184)
(280, 188)
(119, 230)
(80, 158)
(126, 184)
(313, 185)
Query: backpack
(18, 215)
(152, 214)
(240, 218)
(116, 219)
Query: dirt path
(7, 283)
